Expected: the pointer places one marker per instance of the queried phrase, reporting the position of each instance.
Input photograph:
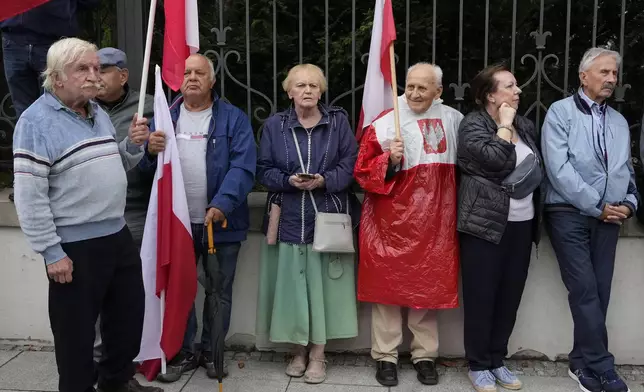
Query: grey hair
(438, 72)
(61, 54)
(592, 54)
(211, 65)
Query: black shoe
(611, 382)
(586, 379)
(132, 386)
(387, 373)
(427, 373)
(182, 363)
(206, 361)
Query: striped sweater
(69, 175)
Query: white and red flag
(181, 39)
(377, 87)
(11, 8)
(167, 252)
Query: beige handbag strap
(299, 155)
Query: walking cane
(213, 289)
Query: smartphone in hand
(305, 176)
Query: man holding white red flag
(408, 241)
(218, 156)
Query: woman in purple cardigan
(305, 297)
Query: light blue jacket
(578, 173)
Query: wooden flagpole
(394, 89)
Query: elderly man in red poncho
(408, 240)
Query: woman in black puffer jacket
(496, 231)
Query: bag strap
(299, 155)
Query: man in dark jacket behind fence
(25, 41)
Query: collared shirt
(88, 108)
(598, 112)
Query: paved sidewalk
(36, 371)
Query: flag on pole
(11, 8)
(181, 39)
(377, 95)
(167, 252)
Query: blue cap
(112, 56)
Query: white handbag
(333, 232)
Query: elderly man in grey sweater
(70, 187)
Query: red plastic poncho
(408, 238)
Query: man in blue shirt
(25, 41)
(590, 192)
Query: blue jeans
(585, 248)
(23, 65)
(226, 260)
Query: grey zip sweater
(69, 173)
(139, 184)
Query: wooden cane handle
(211, 241)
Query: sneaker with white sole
(586, 379)
(482, 380)
(507, 379)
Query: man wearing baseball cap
(121, 103)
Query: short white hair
(438, 72)
(592, 54)
(211, 65)
(61, 54)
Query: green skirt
(306, 296)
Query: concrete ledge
(8, 216)
(256, 201)
(543, 328)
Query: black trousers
(493, 280)
(107, 279)
(585, 248)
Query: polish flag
(377, 87)
(181, 39)
(167, 252)
(11, 8)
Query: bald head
(198, 79)
(423, 86)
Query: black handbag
(524, 179)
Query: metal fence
(253, 44)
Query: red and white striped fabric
(377, 87)
(11, 8)
(167, 253)
(181, 39)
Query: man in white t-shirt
(218, 158)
